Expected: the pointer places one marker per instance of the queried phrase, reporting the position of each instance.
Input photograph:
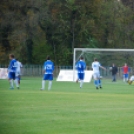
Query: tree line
(33, 29)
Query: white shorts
(96, 75)
(17, 74)
(132, 78)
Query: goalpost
(106, 57)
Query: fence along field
(36, 70)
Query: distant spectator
(114, 71)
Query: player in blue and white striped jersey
(48, 69)
(81, 66)
(12, 70)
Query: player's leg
(78, 78)
(96, 82)
(50, 81)
(124, 77)
(17, 82)
(14, 79)
(99, 80)
(43, 85)
(17, 79)
(114, 77)
(10, 78)
(45, 77)
(81, 79)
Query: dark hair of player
(95, 59)
(11, 55)
(48, 57)
(81, 58)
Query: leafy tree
(33, 29)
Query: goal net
(106, 57)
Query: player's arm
(103, 67)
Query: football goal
(106, 57)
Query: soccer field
(66, 109)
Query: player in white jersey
(18, 73)
(130, 81)
(96, 73)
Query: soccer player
(18, 73)
(81, 66)
(96, 73)
(12, 70)
(130, 81)
(125, 70)
(48, 69)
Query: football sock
(99, 81)
(43, 84)
(11, 83)
(49, 85)
(96, 83)
(16, 82)
(81, 83)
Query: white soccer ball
(101, 77)
(110, 68)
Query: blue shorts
(125, 75)
(11, 75)
(48, 77)
(81, 76)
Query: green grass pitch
(66, 109)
